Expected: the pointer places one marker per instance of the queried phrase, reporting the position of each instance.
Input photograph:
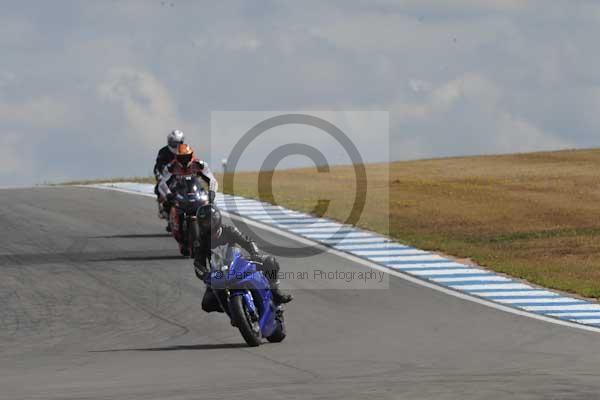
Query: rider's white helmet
(174, 139)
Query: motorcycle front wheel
(240, 315)
(194, 236)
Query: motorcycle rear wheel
(243, 321)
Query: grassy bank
(533, 216)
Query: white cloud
(42, 112)
(458, 76)
(495, 5)
(439, 99)
(467, 86)
(146, 103)
(16, 165)
(465, 115)
(513, 134)
(14, 32)
(242, 41)
(7, 78)
(9, 153)
(419, 86)
(401, 32)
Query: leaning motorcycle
(244, 294)
(189, 197)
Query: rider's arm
(161, 161)
(234, 237)
(163, 184)
(208, 177)
(157, 167)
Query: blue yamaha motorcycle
(244, 295)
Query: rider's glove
(211, 196)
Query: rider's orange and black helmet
(185, 154)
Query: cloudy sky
(90, 88)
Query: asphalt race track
(95, 303)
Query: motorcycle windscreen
(232, 271)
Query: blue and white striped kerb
(409, 260)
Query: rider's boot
(162, 213)
(279, 296)
(270, 267)
(210, 302)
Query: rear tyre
(241, 318)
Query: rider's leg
(163, 208)
(163, 213)
(270, 267)
(166, 205)
(200, 264)
(180, 235)
(158, 201)
(210, 302)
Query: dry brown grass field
(534, 216)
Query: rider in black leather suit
(215, 234)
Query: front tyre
(242, 319)
(194, 236)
